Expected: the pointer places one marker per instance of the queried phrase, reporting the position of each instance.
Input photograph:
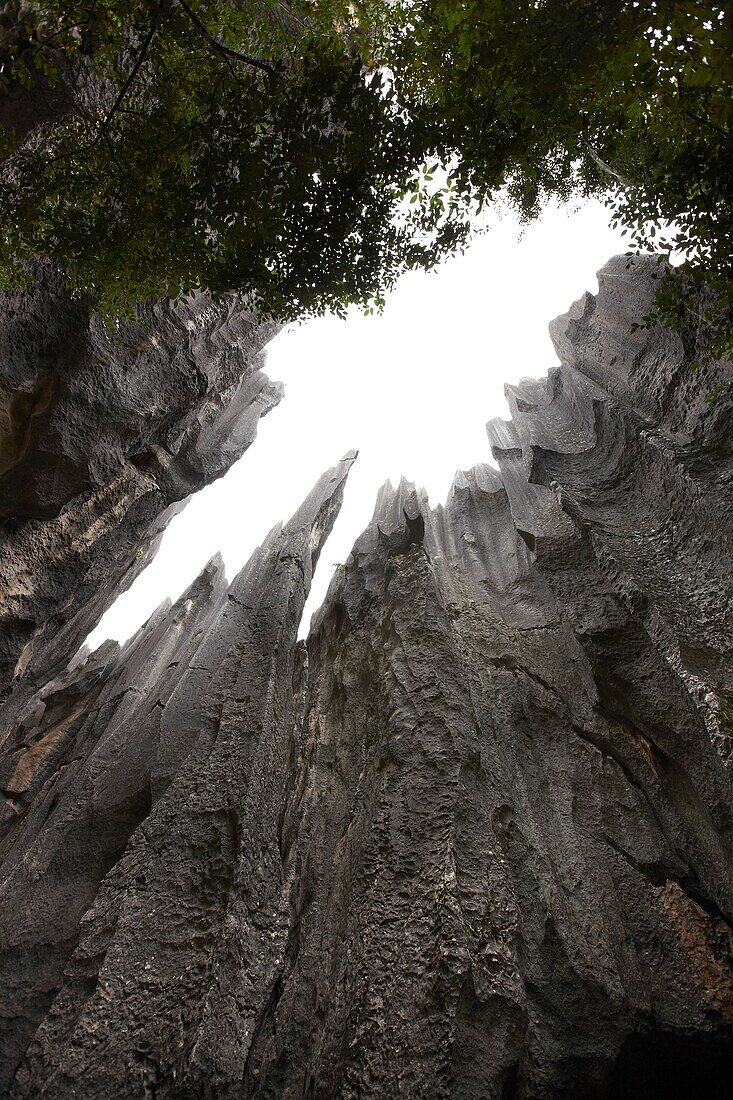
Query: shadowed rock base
(473, 840)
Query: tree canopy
(620, 98)
(290, 149)
(208, 144)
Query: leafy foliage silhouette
(309, 152)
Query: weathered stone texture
(185, 733)
(102, 434)
(473, 841)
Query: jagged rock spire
(170, 785)
(104, 433)
(473, 840)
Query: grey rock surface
(147, 787)
(102, 434)
(625, 439)
(472, 841)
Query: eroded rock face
(102, 434)
(186, 733)
(526, 859)
(473, 842)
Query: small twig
(706, 122)
(47, 42)
(220, 48)
(130, 77)
(607, 168)
(102, 132)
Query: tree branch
(220, 48)
(607, 168)
(130, 78)
(102, 132)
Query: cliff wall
(472, 840)
(102, 434)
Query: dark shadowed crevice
(660, 1065)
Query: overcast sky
(411, 390)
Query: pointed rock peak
(395, 507)
(307, 529)
(601, 338)
(480, 478)
(503, 435)
(487, 478)
(529, 393)
(203, 593)
(211, 578)
(384, 498)
(412, 498)
(214, 565)
(563, 328)
(460, 481)
(210, 583)
(317, 514)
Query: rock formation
(102, 434)
(193, 717)
(472, 840)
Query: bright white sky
(411, 390)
